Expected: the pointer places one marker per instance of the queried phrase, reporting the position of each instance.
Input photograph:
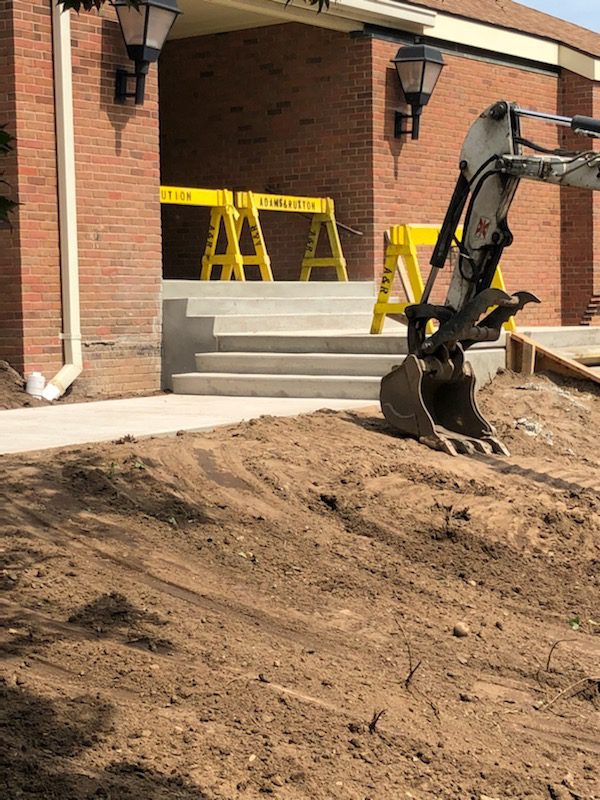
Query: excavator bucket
(440, 412)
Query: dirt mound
(12, 389)
(307, 608)
(13, 394)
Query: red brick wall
(596, 199)
(38, 217)
(580, 209)
(312, 111)
(287, 107)
(118, 210)
(11, 334)
(415, 179)
(118, 179)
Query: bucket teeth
(440, 412)
(499, 447)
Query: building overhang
(202, 17)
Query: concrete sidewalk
(26, 429)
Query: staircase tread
(276, 376)
(216, 354)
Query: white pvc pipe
(67, 204)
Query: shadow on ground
(40, 739)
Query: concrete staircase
(284, 340)
(578, 342)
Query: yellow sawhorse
(402, 259)
(223, 216)
(248, 208)
(322, 211)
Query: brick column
(580, 212)
(117, 166)
(11, 326)
(414, 180)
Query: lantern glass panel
(159, 25)
(410, 74)
(432, 73)
(133, 23)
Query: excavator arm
(432, 394)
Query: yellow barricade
(224, 216)
(249, 204)
(402, 259)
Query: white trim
(343, 15)
(512, 43)
(275, 13)
(352, 15)
(379, 12)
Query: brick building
(256, 95)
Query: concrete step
(343, 376)
(569, 337)
(259, 323)
(323, 342)
(174, 289)
(272, 306)
(297, 363)
(341, 387)
(590, 356)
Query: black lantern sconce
(419, 66)
(145, 28)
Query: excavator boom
(431, 396)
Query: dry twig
(571, 691)
(377, 715)
(552, 649)
(411, 669)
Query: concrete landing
(26, 429)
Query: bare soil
(270, 609)
(12, 389)
(13, 394)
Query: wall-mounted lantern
(145, 29)
(419, 66)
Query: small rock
(143, 734)
(277, 780)
(569, 781)
(355, 742)
(461, 629)
(559, 792)
(499, 625)
(252, 758)
(465, 697)
(356, 727)
(263, 678)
